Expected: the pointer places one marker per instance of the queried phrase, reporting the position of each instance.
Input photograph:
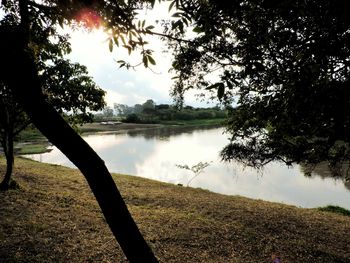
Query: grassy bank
(31, 141)
(120, 127)
(32, 147)
(203, 122)
(33, 135)
(30, 134)
(124, 127)
(53, 217)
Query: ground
(53, 217)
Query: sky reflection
(155, 154)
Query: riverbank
(125, 127)
(31, 141)
(53, 217)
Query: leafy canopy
(66, 85)
(282, 67)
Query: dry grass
(54, 218)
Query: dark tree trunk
(5, 184)
(7, 145)
(54, 127)
(19, 73)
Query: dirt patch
(53, 217)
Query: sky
(128, 86)
(122, 85)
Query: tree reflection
(324, 171)
(165, 133)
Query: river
(155, 154)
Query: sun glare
(89, 18)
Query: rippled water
(155, 153)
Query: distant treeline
(149, 112)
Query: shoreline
(125, 127)
(38, 143)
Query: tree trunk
(19, 73)
(52, 125)
(5, 184)
(7, 145)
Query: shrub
(132, 118)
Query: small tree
(107, 112)
(148, 105)
(122, 109)
(137, 108)
(196, 169)
(67, 87)
(12, 121)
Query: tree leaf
(178, 14)
(116, 41)
(110, 45)
(198, 30)
(178, 24)
(221, 90)
(171, 6)
(123, 39)
(149, 28)
(214, 86)
(60, 21)
(145, 61)
(151, 60)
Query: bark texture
(7, 146)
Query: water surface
(155, 153)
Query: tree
(148, 105)
(21, 74)
(12, 121)
(107, 112)
(282, 69)
(67, 87)
(148, 109)
(123, 109)
(196, 169)
(137, 108)
(71, 91)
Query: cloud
(122, 85)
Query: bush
(132, 118)
(205, 115)
(335, 209)
(184, 116)
(220, 114)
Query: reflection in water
(164, 133)
(155, 153)
(347, 185)
(324, 171)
